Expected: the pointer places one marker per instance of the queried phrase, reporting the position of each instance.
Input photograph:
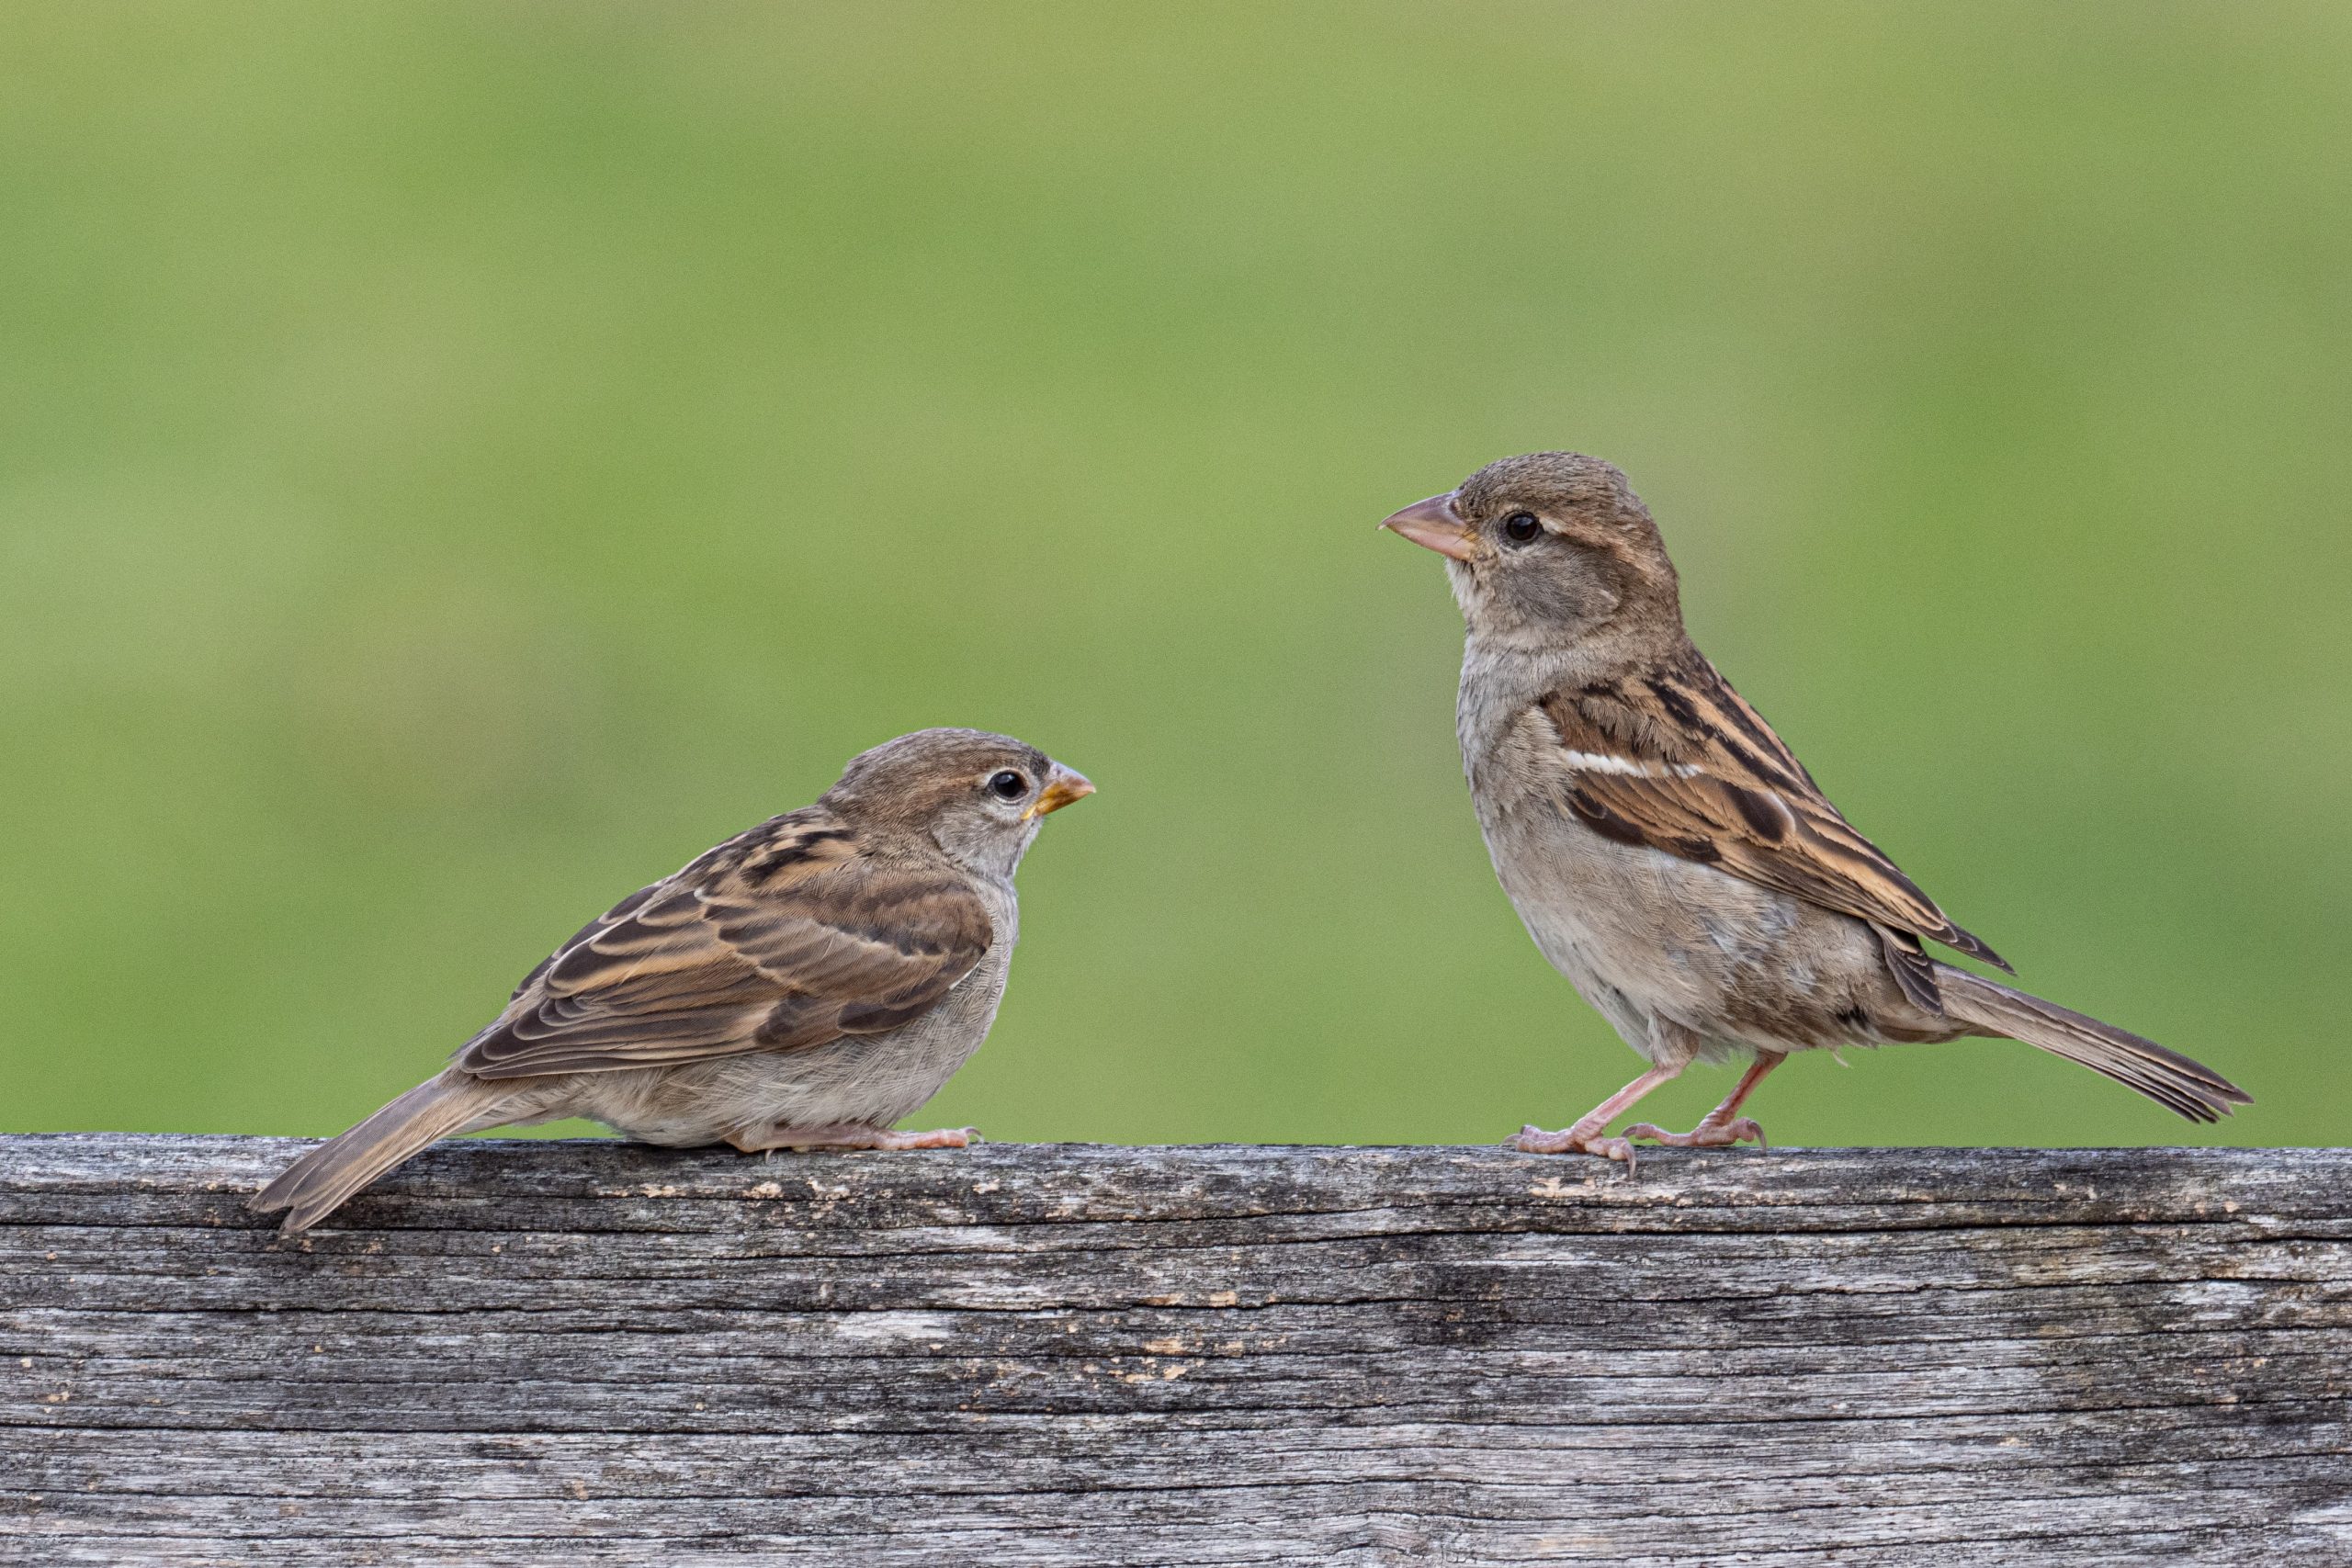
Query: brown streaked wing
(619, 912)
(783, 938)
(1718, 787)
(881, 948)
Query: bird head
(1546, 549)
(980, 797)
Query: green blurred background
(457, 462)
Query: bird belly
(1682, 958)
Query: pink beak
(1434, 525)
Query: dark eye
(1520, 526)
(1008, 785)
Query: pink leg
(1722, 1126)
(1585, 1137)
(848, 1136)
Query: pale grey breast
(1655, 944)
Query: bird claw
(849, 1135)
(1708, 1134)
(943, 1138)
(1576, 1140)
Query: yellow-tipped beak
(1434, 525)
(1061, 787)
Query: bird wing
(785, 937)
(1679, 762)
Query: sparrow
(1666, 849)
(804, 985)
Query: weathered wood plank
(587, 1352)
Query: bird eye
(1008, 785)
(1520, 526)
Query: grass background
(457, 462)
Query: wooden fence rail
(587, 1352)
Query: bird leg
(1586, 1137)
(848, 1136)
(1724, 1126)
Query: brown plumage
(805, 983)
(1715, 784)
(1664, 846)
(793, 934)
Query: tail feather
(316, 1185)
(2176, 1082)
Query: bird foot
(1584, 1138)
(1710, 1134)
(848, 1136)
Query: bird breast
(1650, 939)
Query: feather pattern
(785, 937)
(1666, 849)
(812, 980)
(1677, 760)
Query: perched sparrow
(1667, 852)
(804, 985)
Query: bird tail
(315, 1185)
(2171, 1079)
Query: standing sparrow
(804, 985)
(1667, 852)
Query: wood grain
(533, 1352)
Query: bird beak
(1062, 786)
(1434, 525)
